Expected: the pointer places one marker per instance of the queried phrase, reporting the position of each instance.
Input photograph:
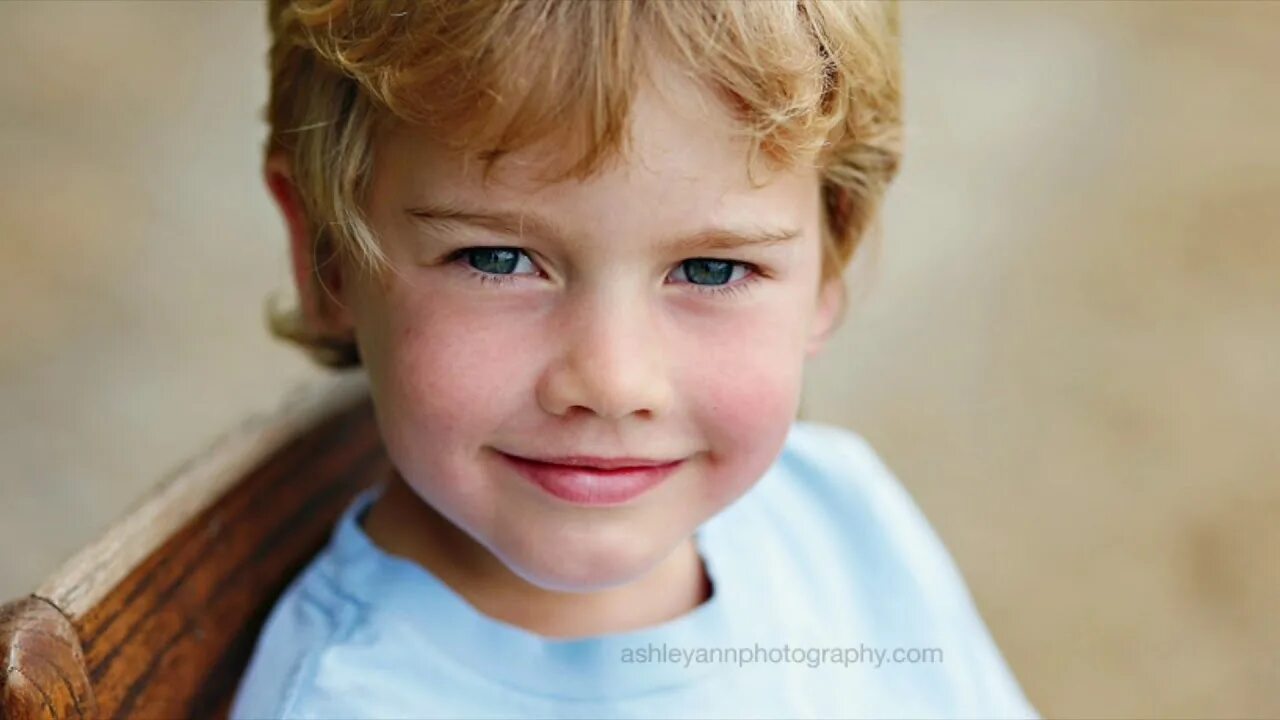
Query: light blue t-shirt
(832, 597)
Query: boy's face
(601, 340)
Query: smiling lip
(576, 480)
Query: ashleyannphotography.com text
(776, 655)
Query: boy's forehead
(668, 205)
(683, 169)
(675, 153)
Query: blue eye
(494, 265)
(494, 260)
(711, 276)
(714, 276)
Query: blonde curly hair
(805, 78)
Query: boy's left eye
(497, 265)
(710, 270)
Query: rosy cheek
(746, 408)
(452, 369)
(744, 405)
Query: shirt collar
(593, 668)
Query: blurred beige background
(1069, 349)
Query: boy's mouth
(594, 480)
(592, 462)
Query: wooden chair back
(159, 617)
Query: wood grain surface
(172, 637)
(42, 671)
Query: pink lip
(592, 486)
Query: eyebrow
(528, 224)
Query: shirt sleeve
(981, 682)
(295, 635)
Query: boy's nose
(611, 361)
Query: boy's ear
(831, 301)
(317, 269)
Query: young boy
(582, 251)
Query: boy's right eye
(495, 260)
(495, 265)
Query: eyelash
(740, 287)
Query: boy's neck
(402, 524)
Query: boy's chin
(576, 571)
